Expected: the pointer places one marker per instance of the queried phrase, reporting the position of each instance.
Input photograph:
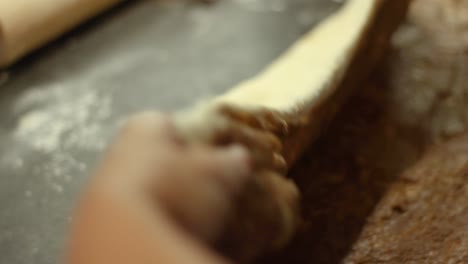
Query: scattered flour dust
(70, 114)
(58, 121)
(72, 121)
(65, 116)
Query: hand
(154, 198)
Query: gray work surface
(60, 106)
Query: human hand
(154, 197)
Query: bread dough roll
(279, 112)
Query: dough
(279, 112)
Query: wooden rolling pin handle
(26, 25)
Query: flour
(64, 121)
(69, 121)
(31, 125)
(60, 121)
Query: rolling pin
(26, 25)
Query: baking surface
(60, 106)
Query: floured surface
(135, 59)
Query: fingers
(197, 184)
(265, 120)
(197, 205)
(237, 132)
(264, 146)
(128, 160)
(150, 128)
(266, 216)
(201, 185)
(231, 166)
(218, 176)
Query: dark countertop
(60, 106)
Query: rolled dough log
(280, 111)
(27, 24)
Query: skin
(155, 199)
